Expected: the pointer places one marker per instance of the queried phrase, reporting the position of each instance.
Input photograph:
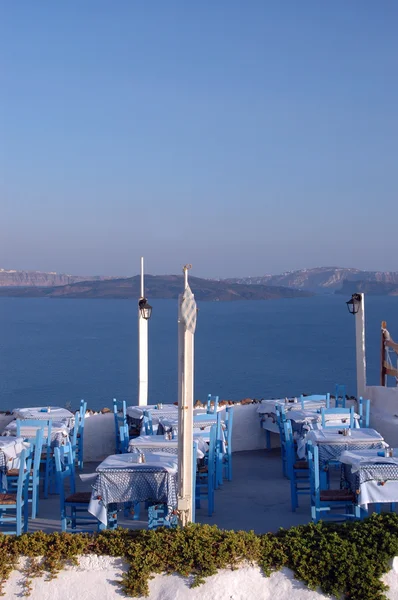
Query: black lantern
(354, 303)
(145, 308)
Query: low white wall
(246, 431)
(96, 577)
(99, 437)
(99, 433)
(384, 412)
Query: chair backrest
(83, 408)
(280, 419)
(313, 466)
(120, 417)
(44, 425)
(315, 398)
(76, 429)
(334, 414)
(37, 446)
(229, 419)
(148, 425)
(212, 452)
(124, 438)
(364, 412)
(25, 465)
(211, 409)
(65, 469)
(289, 444)
(340, 394)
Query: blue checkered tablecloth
(121, 480)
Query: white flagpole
(185, 415)
(142, 349)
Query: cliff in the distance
(156, 286)
(371, 288)
(13, 278)
(320, 280)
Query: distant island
(291, 284)
(323, 280)
(371, 288)
(156, 287)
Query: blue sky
(243, 137)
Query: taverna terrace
(244, 466)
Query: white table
(120, 479)
(56, 413)
(267, 412)
(156, 443)
(372, 477)
(136, 413)
(59, 432)
(331, 443)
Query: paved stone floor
(258, 498)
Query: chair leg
(25, 515)
(229, 465)
(35, 489)
(268, 439)
(293, 492)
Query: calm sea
(57, 351)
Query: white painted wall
(384, 412)
(99, 437)
(99, 433)
(96, 576)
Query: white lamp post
(144, 314)
(356, 306)
(186, 330)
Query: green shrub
(344, 560)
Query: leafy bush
(344, 560)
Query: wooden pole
(382, 355)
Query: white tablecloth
(41, 412)
(334, 443)
(59, 432)
(376, 477)
(121, 479)
(331, 436)
(167, 410)
(10, 450)
(157, 443)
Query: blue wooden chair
(80, 434)
(297, 470)
(206, 475)
(323, 502)
(212, 404)
(348, 413)
(280, 420)
(14, 507)
(34, 475)
(364, 412)
(74, 507)
(148, 424)
(124, 438)
(340, 395)
(120, 417)
(227, 459)
(46, 460)
(314, 398)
